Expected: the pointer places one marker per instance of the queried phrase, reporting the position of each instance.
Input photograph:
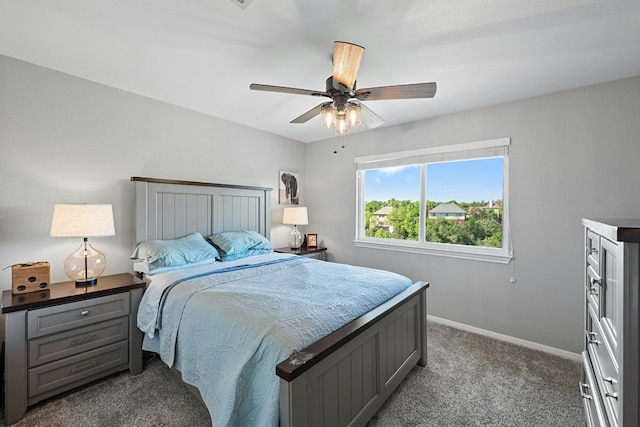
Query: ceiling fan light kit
(329, 116)
(345, 109)
(341, 118)
(354, 114)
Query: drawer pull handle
(84, 313)
(584, 395)
(83, 340)
(593, 250)
(591, 337)
(79, 368)
(607, 393)
(594, 282)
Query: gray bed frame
(342, 379)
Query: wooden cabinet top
(64, 292)
(302, 251)
(617, 229)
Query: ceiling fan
(345, 108)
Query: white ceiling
(203, 54)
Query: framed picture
(312, 241)
(289, 188)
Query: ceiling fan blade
(310, 114)
(369, 118)
(346, 62)
(417, 90)
(283, 89)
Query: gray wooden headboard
(167, 209)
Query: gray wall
(573, 154)
(65, 139)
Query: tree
(405, 220)
(483, 227)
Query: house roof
(384, 211)
(447, 208)
(203, 55)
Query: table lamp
(295, 216)
(83, 220)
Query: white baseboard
(517, 341)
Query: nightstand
(317, 253)
(67, 336)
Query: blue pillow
(237, 242)
(247, 253)
(171, 253)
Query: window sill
(450, 251)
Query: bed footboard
(345, 378)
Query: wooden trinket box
(29, 277)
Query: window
(450, 201)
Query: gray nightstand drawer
(76, 368)
(57, 346)
(60, 318)
(322, 256)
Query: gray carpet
(470, 380)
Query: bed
(329, 368)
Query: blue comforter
(227, 330)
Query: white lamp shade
(295, 216)
(82, 220)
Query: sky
(464, 181)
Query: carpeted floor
(470, 380)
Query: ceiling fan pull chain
(337, 134)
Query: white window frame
(471, 150)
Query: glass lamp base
(85, 265)
(295, 238)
